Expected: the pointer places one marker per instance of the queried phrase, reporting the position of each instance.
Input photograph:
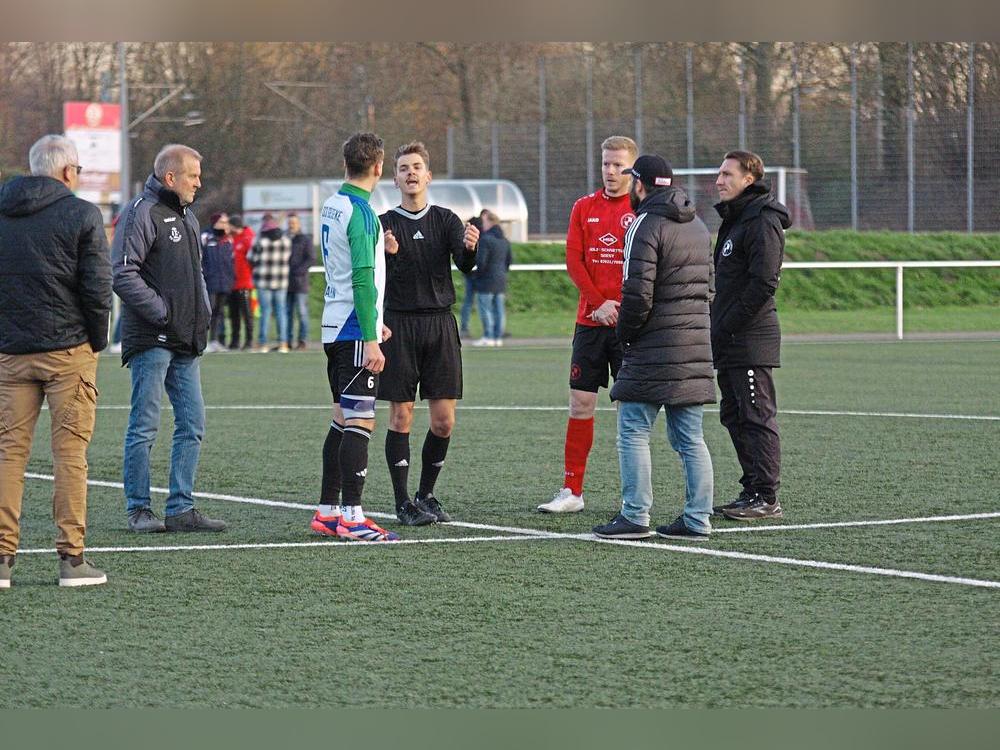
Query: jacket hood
(272, 234)
(671, 203)
(24, 196)
(752, 201)
(495, 231)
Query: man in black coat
(664, 329)
(55, 296)
(746, 337)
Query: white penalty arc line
(290, 545)
(539, 534)
(471, 407)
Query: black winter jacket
(303, 258)
(748, 256)
(55, 274)
(156, 264)
(663, 321)
(493, 259)
(217, 262)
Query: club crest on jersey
(608, 239)
(727, 249)
(626, 220)
(175, 236)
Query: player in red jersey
(594, 257)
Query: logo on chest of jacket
(727, 249)
(608, 239)
(627, 220)
(175, 236)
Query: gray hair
(51, 154)
(171, 159)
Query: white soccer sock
(352, 513)
(328, 510)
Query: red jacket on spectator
(242, 242)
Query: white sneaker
(563, 502)
(497, 342)
(483, 342)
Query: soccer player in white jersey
(354, 248)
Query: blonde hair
(620, 143)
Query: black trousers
(239, 311)
(749, 411)
(217, 325)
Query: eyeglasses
(77, 167)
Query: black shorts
(423, 349)
(352, 386)
(596, 353)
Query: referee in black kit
(425, 349)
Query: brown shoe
(756, 508)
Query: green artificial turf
(537, 623)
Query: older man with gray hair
(156, 260)
(55, 296)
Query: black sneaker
(431, 505)
(746, 497)
(410, 515)
(620, 527)
(193, 520)
(759, 507)
(145, 521)
(680, 530)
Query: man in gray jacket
(156, 262)
(665, 332)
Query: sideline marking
(539, 534)
(470, 407)
(875, 522)
(283, 545)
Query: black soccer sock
(432, 459)
(329, 493)
(397, 456)
(353, 463)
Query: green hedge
(819, 289)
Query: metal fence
(869, 160)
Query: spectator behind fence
(470, 292)
(490, 279)
(269, 260)
(55, 297)
(298, 281)
(156, 260)
(217, 267)
(240, 311)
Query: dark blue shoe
(620, 527)
(679, 530)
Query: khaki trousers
(67, 379)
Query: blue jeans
(635, 423)
(151, 370)
(492, 313)
(298, 302)
(467, 300)
(278, 299)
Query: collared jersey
(420, 273)
(595, 245)
(354, 263)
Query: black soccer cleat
(410, 515)
(430, 504)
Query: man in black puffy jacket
(746, 338)
(156, 261)
(664, 329)
(55, 296)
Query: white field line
(844, 524)
(538, 534)
(285, 545)
(797, 412)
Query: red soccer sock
(579, 439)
